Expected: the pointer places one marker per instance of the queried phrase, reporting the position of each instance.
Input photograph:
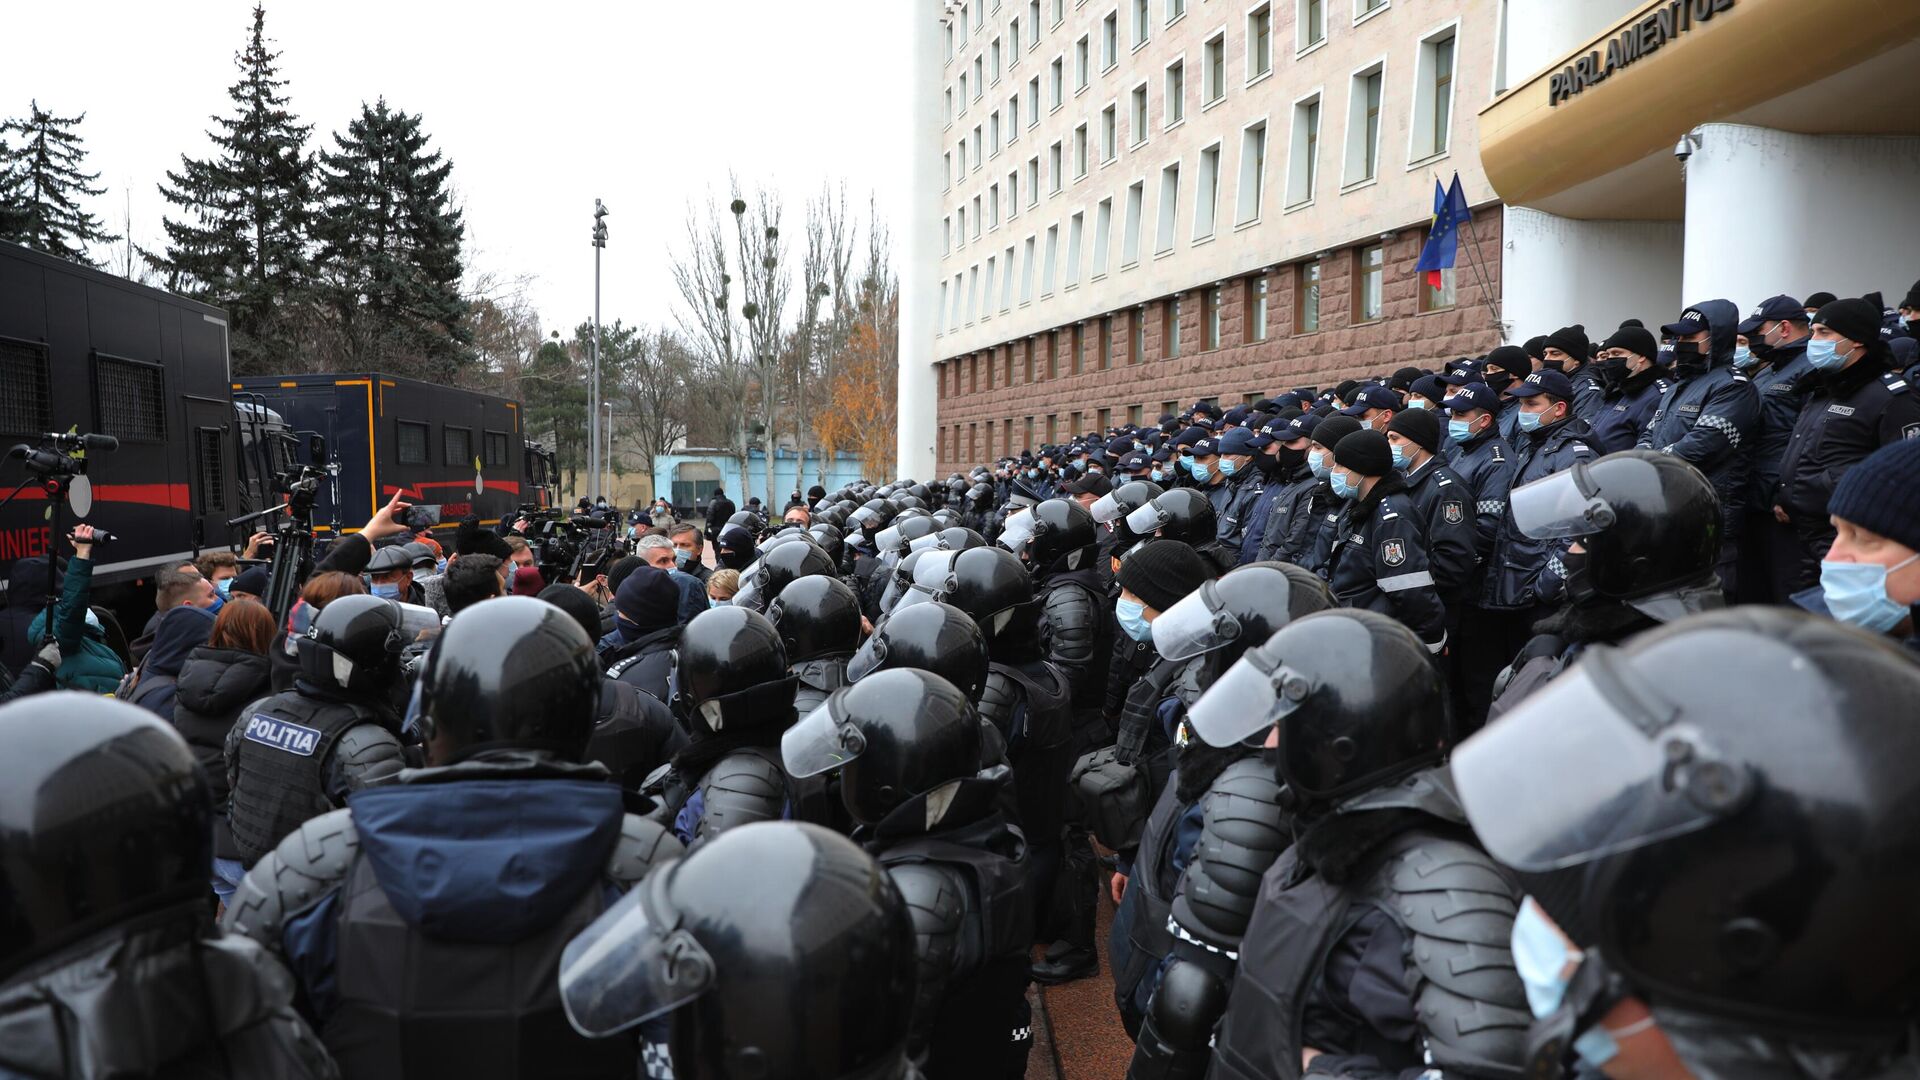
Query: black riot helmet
(794, 558)
(829, 537)
(749, 520)
(959, 539)
(1357, 700)
(1178, 514)
(1720, 813)
(733, 547)
(817, 617)
(1650, 524)
(730, 673)
(947, 518)
(1059, 534)
(1225, 617)
(894, 735)
(353, 645)
(980, 496)
(872, 516)
(898, 581)
(898, 538)
(513, 672)
(780, 951)
(105, 815)
(988, 583)
(932, 637)
(906, 501)
(1113, 507)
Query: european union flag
(1443, 241)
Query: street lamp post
(593, 416)
(608, 444)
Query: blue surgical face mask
(1856, 593)
(1529, 421)
(1156, 476)
(1343, 488)
(386, 590)
(1743, 357)
(1400, 456)
(1186, 462)
(1418, 403)
(1132, 616)
(1202, 472)
(1823, 354)
(440, 566)
(1317, 462)
(1226, 467)
(1033, 474)
(1545, 963)
(224, 587)
(681, 556)
(1459, 430)
(714, 601)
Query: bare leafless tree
(766, 284)
(710, 323)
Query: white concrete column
(1772, 212)
(1558, 271)
(920, 255)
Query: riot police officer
(452, 972)
(1184, 514)
(1379, 559)
(109, 965)
(778, 951)
(1444, 505)
(1375, 944)
(1646, 531)
(784, 561)
(1304, 534)
(734, 693)
(1688, 843)
(906, 745)
(634, 732)
(818, 618)
(301, 752)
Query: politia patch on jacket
(1393, 552)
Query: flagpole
(1473, 260)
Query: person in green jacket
(87, 662)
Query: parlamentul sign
(1652, 32)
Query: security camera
(1683, 149)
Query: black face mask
(1688, 360)
(1291, 460)
(1611, 371)
(1579, 585)
(1913, 328)
(1498, 381)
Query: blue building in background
(688, 478)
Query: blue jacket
(1294, 514)
(1524, 572)
(1233, 500)
(1485, 464)
(1783, 392)
(1708, 420)
(1588, 396)
(1623, 416)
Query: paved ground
(1077, 1032)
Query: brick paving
(1077, 1032)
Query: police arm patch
(1393, 552)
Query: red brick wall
(1338, 350)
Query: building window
(1136, 335)
(986, 305)
(1437, 288)
(1433, 97)
(496, 443)
(1109, 133)
(947, 171)
(1080, 151)
(1175, 9)
(1206, 196)
(1029, 424)
(1053, 428)
(1130, 240)
(1253, 173)
(1304, 167)
(1013, 42)
(1033, 101)
(1026, 274)
(1135, 414)
(1210, 303)
(1256, 308)
(943, 309)
(1141, 25)
(1213, 80)
(1076, 229)
(1259, 41)
(963, 93)
(1176, 92)
(1033, 28)
(993, 207)
(1103, 421)
(976, 217)
(979, 158)
(1106, 342)
(946, 235)
(1053, 357)
(1013, 119)
(946, 110)
(1170, 332)
(1028, 364)
(1137, 114)
(1055, 170)
(949, 36)
(1059, 11)
(979, 76)
(962, 23)
(1169, 209)
(1312, 24)
(1109, 41)
(411, 442)
(993, 135)
(1102, 230)
(1369, 275)
(1006, 297)
(1363, 127)
(1078, 340)
(1013, 194)
(1307, 314)
(1363, 8)
(961, 236)
(960, 148)
(973, 311)
(1033, 180)
(1082, 63)
(1053, 260)
(1057, 82)
(993, 51)
(980, 14)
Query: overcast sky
(541, 107)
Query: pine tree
(46, 184)
(390, 247)
(243, 239)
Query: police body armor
(1148, 903)
(284, 744)
(1454, 904)
(983, 1028)
(414, 1005)
(1032, 707)
(818, 680)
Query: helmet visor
(923, 543)
(1591, 765)
(753, 587)
(821, 742)
(1195, 624)
(1146, 520)
(1017, 532)
(871, 655)
(1566, 504)
(1107, 510)
(1247, 700)
(889, 539)
(626, 968)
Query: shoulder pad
(1661, 385)
(1442, 479)
(614, 671)
(309, 862)
(741, 788)
(368, 754)
(1387, 513)
(642, 846)
(1740, 376)
(934, 898)
(1896, 382)
(1243, 830)
(997, 700)
(1498, 454)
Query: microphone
(99, 442)
(69, 442)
